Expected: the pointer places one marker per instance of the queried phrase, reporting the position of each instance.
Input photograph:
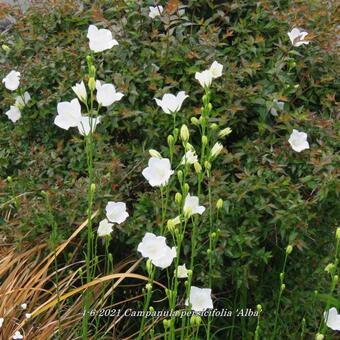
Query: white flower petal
(116, 212)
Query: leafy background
(272, 195)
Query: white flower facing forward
(190, 157)
(297, 37)
(182, 272)
(298, 141)
(277, 106)
(158, 171)
(100, 39)
(332, 319)
(216, 69)
(23, 306)
(200, 299)
(84, 126)
(104, 228)
(171, 103)
(80, 90)
(21, 101)
(204, 78)
(13, 113)
(191, 206)
(17, 335)
(1, 322)
(116, 212)
(12, 80)
(155, 11)
(106, 94)
(69, 114)
(155, 248)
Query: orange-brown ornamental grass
(29, 277)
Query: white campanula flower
(190, 157)
(297, 37)
(205, 78)
(200, 299)
(155, 248)
(80, 90)
(158, 171)
(12, 80)
(13, 113)
(277, 106)
(85, 124)
(106, 94)
(104, 228)
(216, 149)
(1, 322)
(69, 114)
(298, 141)
(155, 11)
(116, 212)
(17, 335)
(332, 319)
(28, 315)
(100, 39)
(182, 272)
(192, 207)
(216, 69)
(23, 306)
(171, 103)
(21, 101)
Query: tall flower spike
(171, 103)
(158, 171)
(12, 80)
(100, 39)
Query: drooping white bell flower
(106, 94)
(1, 322)
(84, 126)
(171, 103)
(17, 336)
(182, 272)
(216, 69)
(69, 114)
(155, 248)
(13, 113)
(192, 207)
(332, 319)
(277, 106)
(104, 228)
(190, 157)
(21, 101)
(298, 141)
(158, 171)
(200, 299)
(205, 78)
(155, 11)
(80, 90)
(116, 212)
(297, 37)
(12, 80)
(165, 260)
(100, 39)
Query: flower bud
(213, 126)
(170, 225)
(203, 120)
(189, 273)
(5, 48)
(154, 153)
(188, 146)
(209, 252)
(175, 134)
(259, 308)
(207, 165)
(209, 107)
(224, 132)
(151, 309)
(219, 203)
(204, 140)
(184, 133)
(289, 249)
(180, 175)
(92, 70)
(89, 59)
(337, 234)
(178, 198)
(170, 140)
(9, 179)
(149, 266)
(93, 187)
(197, 167)
(195, 320)
(148, 286)
(186, 187)
(195, 121)
(92, 83)
(166, 323)
(216, 149)
(283, 287)
(319, 336)
(335, 279)
(282, 276)
(213, 235)
(329, 268)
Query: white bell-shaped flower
(100, 39)
(171, 103)
(298, 141)
(158, 171)
(116, 212)
(12, 80)
(200, 299)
